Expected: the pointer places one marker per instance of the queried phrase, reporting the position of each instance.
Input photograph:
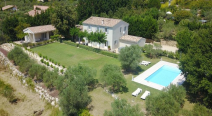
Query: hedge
(110, 54)
(32, 45)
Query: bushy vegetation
(122, 108)
(73, 86)
(112, 76)
(196, 66)
(7, 91)
(130, 57)
(167, 102)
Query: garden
(69, 55)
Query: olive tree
(130, 57)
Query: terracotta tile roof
(43, 28)
(7, 7)
(34, 12)
(131, 38)
(108, 22)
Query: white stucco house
(38, 33)
(116, 31)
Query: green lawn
(69, 55)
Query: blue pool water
(164, 75)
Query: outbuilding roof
(40, 29)
(101, 21)
(7, 7)
(34, 12)
(131, 38)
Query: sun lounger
(136, 92)
(146, 93)
(145, 63)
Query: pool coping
(141, 78)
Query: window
(106, 43)
(106, 31)
(125, 28)
(120, 29)
(115, 42)
(89, 27)
(97, 29)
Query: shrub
(47, 63)
(59, 64)
(62, 71)
(51, 65)
(63, 66)
(70, 43)
(42, 60)
(40, 54)
(114, 55)
(171, 55)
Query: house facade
(115, 29)
(38, 33)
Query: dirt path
(30, 101)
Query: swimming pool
(164, 75)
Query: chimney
(35, 11)
(102, 21)
(35, 7)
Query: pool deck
(141, 78)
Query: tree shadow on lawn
(137, 71)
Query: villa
(116, 31)
(38, 33)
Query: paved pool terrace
(141, 78)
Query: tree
(63, 19)
(49, 77)
(111, 75)
(184, 39)
(161, 22)
(74, 97)
(74, 32)
(37, 71)
(82, 34)
(130, 57)
(154, 3)
(198, 110)
(99, 37)
(19, 30)
(181, 14)
(122, 108)
(196, 67)
(177, 92)
(162, 105)
(143, 27)
(88, 74)
(8, 27)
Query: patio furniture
(145, 63)
(146, 93)
(136, 92)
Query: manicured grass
(69, 56)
